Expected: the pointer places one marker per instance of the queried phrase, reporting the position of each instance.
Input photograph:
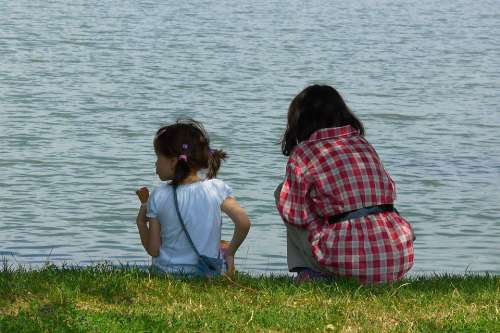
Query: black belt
(354, 214)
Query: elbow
(245, 226)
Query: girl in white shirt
(182, 150)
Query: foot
(308, 274)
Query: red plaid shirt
(336, 170)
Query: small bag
(206, 266)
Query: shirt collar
(334, 132)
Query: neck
(191, 178)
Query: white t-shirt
(199, 205)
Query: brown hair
(314, 108)
(188, 137)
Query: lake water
(85, 84)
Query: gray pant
(298, 249)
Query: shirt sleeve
(293, 202)
(154, 203)
(222, 190)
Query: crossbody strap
(176, 204)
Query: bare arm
(241, 224)
(149, 232)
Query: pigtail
(215, 158)
(181, 171)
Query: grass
(106, 299)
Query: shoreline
(250, 272)
(107, 299)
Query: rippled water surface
(85, 84)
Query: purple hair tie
(185, 146)
(183, 158)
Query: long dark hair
(188, 137)
(314, 108)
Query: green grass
(106, 299)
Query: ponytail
(181, 172)
(215, 158)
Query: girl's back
(199, 205)
(343, 171)
(337, 199)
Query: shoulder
(302, 158)
(216, 183)
(304, 153)
(161, 192)
(157, 199)
(219, 188)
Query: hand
(229, 258)
(230, 264)
(143, 194)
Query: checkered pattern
(336, 170)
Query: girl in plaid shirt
(337, 198)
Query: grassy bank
(105, 299)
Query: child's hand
(230, 264)
(143, 194)
(229, 259)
